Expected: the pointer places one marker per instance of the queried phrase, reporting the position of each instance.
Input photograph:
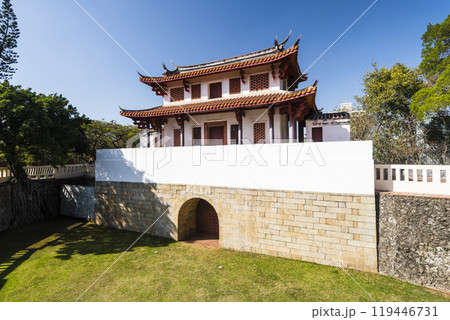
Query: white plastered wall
(258, 115)
(333, 130)
(274, 83)
(339, 167)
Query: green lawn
(57, 260)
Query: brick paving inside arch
(204, 240)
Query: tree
(362, 125)
(9, 33)
(38, 128)
(434, 99)
(386, 100)
(107, 135)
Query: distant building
(346, 107)
(328, 127)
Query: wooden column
(157, 124)
(291, 123)
(182, 132)
(161, 138)
(271, 131)
(301, 126)
(294, 129)
(239, 113)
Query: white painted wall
(338, 167)
(333, 130)
(274, 83)
(439, 183)
(143, 139)
(258, 115)
(337, 131)
(251, 116)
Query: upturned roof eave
(276, 48)
(226, 104)
(291, 52)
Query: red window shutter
(196, 136)
(215, 90)
(317, 134)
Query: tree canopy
(405, 111)
(435, 68)
(436, 49)
(106, 135)
(38, 128)
(9, 33)
(386, 113)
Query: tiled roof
(223, 68)
(330, 116)
(278, 47)
(220, 104)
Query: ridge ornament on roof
(277, 48)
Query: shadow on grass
(73, 236)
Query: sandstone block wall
(414, 239)
(332, 229)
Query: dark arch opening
(197, 219)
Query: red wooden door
(216, 136)
(317, 135)
(206, 219)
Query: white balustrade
(49, 172)
(423, 179)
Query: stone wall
(49, 202)
(5, 206)
(77, 201)
(413, 238)
(332, 229)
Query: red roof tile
(330, 116)
(233, 66)
(220, 105)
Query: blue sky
(62, 51)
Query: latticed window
(259, 82)
(177, 94)
(176, 137)
(196, 92)
(259, 132)
(235, 85)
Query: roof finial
(280, 45)
(298, 40)
(169, 72)
(315, 83)
(140, 75)
(175, 65)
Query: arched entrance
(197, 222)
(206, 219)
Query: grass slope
(57, 260)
